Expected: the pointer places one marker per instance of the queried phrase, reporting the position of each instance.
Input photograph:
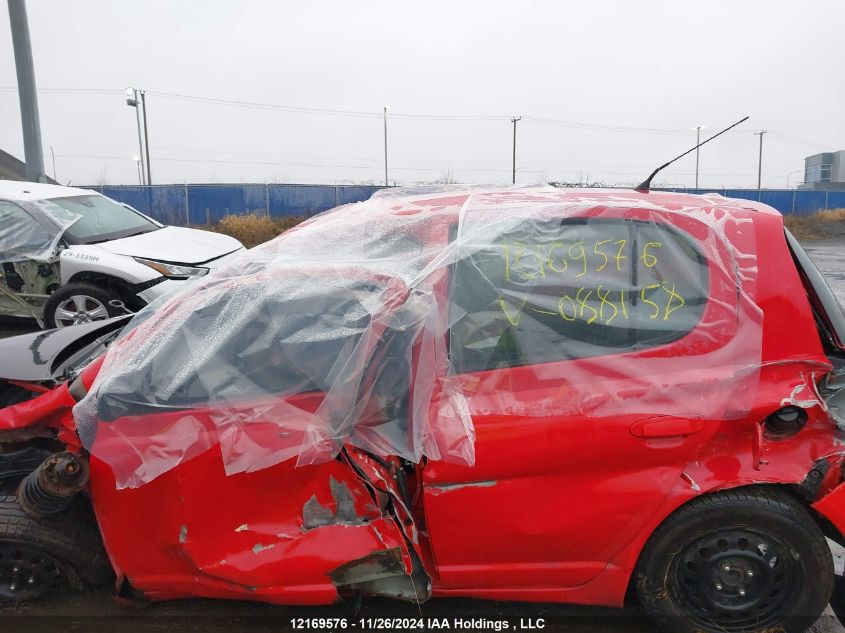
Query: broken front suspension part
(50, 489)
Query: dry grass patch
(825, 224)
(253, 229)
(802, 227)
(831, 214)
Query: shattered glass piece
(32, 229)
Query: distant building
(825, 171)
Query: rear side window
(554, 291)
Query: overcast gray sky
(621, 84)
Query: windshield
(101, 219)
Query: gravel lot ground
(99, 612)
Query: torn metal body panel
(283, 534)
(26, 285)
(834, 395)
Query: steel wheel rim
(27, 572)
(78, 309)
(736, 579)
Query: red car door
(598, 356)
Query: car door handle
(666, 426)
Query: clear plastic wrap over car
(385, 325)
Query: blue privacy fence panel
(810, 202)
(777, 199)
(836, 199)
(165, 204)
(209, 203)
(787, 201)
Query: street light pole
(697, 143)
(33, 152)
(760, 159)
(137, 160)
(146, 136)
(386, 108)
(53, 154)
(132, 100)
(513, 172)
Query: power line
(543, 121)
(791, 140)
(369, 114)
(603, 128)
(68, 90)
(539, 121)
(274, 163)
(540, 165)
(274, 106)
(503, 169)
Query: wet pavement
(99, 612)
(829, 257)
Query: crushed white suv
(70, 256)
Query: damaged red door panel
(283, 534)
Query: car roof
(454, 199)
(24, 191)
(439, 197)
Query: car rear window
(577, 288)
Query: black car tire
(39, 557)
(93, 301)
(748, 559)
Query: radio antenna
(645, 185)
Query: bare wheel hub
(26, 572)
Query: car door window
(577, 288)
(20, 235)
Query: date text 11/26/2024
(419, 624)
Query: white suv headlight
(172, 270)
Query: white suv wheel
(78, 309)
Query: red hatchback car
(524, 394)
